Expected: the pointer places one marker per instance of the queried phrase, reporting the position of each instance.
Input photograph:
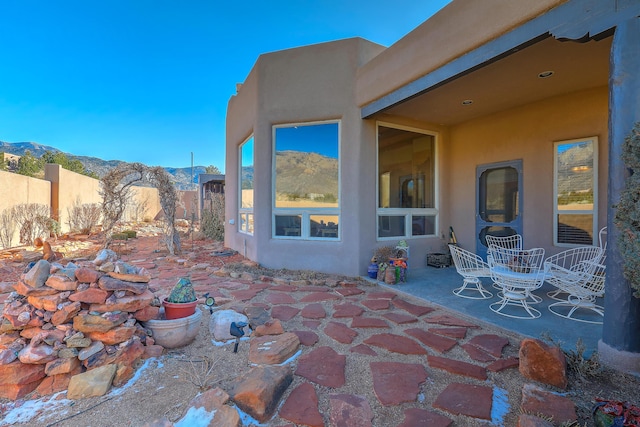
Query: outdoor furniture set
(577, 274)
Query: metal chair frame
(471, 267)
(579, 273)
(519, 273)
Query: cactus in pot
(182, 292)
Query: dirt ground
(163, 387)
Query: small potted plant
(182, 300)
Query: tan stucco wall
(187, 204)
(300, 85)
(68, 188)
(18, 189)
(526, 133)
(458, 28)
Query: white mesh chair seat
(471, 267)
(579, 274)
(518, 273)
(510, 242)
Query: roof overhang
(573, 40)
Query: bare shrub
(212, 221)
(83, 216)
(116, 195)
(33, 220)
(137, 209)
(7, 227)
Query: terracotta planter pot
(174, 310)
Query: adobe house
(492, 117)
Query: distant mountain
(101, 167)
(300, 173)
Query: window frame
(408, 213)
(593, 211)
(306, 212)
(242, 211)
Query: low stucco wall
(62, 189)
(18, 189)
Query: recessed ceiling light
(467, 102)
(545, 74)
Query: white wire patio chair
(518, 273)
(471, 267)
(578, 273)
(510, 242)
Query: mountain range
(100, 167)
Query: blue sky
(149, 80)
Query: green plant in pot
(182, 300)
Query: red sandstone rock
(25, 290)
(377, 304)
(368, 322)
(61, 282)
(313, 311)
(214, 401)
(544, 363)
(56, 383)
(130, 303)
(37, 354)
(152, 351)
(46, 302)
(502, 364)
(271, 327)
(395, 383)
(112, 284)
(113, 336)
(457, 367)
(301, 407)
(307, 338)
(17, 391)
(396, 343)
(416, 310)
(347, 310)
(20, 373)
(66, 313)
(319, 297)
(147, 313)
(273, 349)
(492, 344)
(466, 399)
(87, 275)
(144, 277)
(61, 366)
(535, 400)
(323, 366)
(259, 390)
(94, 323)
(90, 296)
(340, 332)
(284, 312)
(350, 410)
(436, 342)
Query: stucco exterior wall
(68, 188)
(279, 91)
(18, 189)
(526, 133)
(458, 28)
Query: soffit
(513, 81)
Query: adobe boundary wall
(61, 189)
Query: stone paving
(369, 356)
(401, 344)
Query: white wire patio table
(518, 273)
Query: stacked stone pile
(64, 320)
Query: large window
(306, 181)
(246, 186)
(575, 192)
(406, 183)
